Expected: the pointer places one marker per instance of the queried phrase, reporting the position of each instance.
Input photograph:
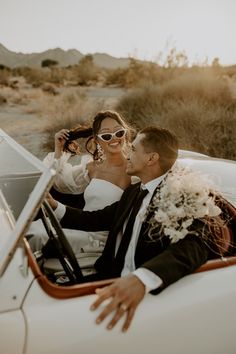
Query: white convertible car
(195, 315)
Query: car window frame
(77, 290)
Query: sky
(144, 29)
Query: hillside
(63, 57)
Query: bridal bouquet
(184, 196)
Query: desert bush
(229, 70)
(139, 72)
(20, 71)
(175, 64)
(5, 67)
(175, 59)
(40, 76)
(67, 110)
(48, 63)
(134, 75)
(86, 72)
(205, 87)
(115, 76)
(143, 73)
(36, 77)
(58, 75)
(13, 96)
(2, 99)
(198, 108)
(50, 89)
(5, 75)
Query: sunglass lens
(120, 133)
(106, 137)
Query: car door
(195, 315)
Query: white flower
(184, 196)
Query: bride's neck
(115, 159)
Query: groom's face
(137, 158)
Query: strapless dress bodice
(100, 193)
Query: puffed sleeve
(69, 179)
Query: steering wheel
(61, 245)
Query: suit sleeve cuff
(148, 278)
(60, 211)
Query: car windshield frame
(16, 227)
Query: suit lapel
(145, 225)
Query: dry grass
(4, 77)
(197, 103)
(67, 110)
(199, 109)
(136, 74)
(84, 74)
(22, 96)
(3, 99)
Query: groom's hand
(124, 294)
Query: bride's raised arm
(69, 178)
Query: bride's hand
(51, 201)
(60, 139)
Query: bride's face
(111, 136)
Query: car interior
(59, 272)
(55, 266)
(24, 183)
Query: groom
(139, 264)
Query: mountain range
(63, 57)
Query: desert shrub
(49, 88)
(5, 67)
(67, 110)
(135, 74)
(86, 72)
(198, 108)
(16, 97)
(175, 59)
(143, 73)
(36, 77)
(48, 63)
(2, 99)
(229, 70)
(39, 76)
(5, 75)
(115, 76)
(20, 71)
(206, 88)
(58, 75)
(208, 129)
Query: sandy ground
(27, 128)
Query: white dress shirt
(148, 278)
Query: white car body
(195, 315)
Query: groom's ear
(153, 158)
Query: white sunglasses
(108, 136)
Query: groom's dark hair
(162, 141)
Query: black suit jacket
(169, 261)
(73, 200)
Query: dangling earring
(101, 155)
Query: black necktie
(120, 256)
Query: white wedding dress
(98, 193)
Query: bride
(102, 179)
